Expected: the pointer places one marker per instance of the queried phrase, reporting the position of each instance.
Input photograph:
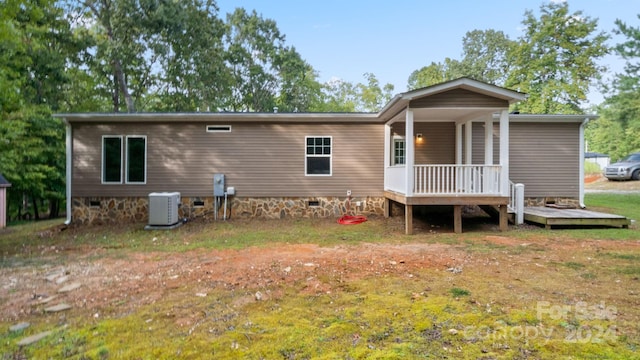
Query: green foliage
(484, 58)
(555, 61)
(591, 168)
(36, 47)
(264, 72)
(617, 131)
(435, 73)
(343, 96)
(458, 292)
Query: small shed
(601, 159)
(4, 184)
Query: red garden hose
(348, 219)
(351, 220)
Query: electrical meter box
(218, 184)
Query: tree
(36, 45)
(342, 96)
(435, 74)
(153, 54)
(617, 131)
(264, 71)
(485, 56)
(555, 61)
(190, 54)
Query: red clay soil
(143, 278)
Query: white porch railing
(394, 179)
(457, 179)
(447, 179)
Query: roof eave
(217, 117)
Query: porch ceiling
(457, 115)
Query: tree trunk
(116, 95)
(104, 17)
(36, 216)
(54, 208)
(117, 67)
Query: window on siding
(112, 159)
(136, 159)
(318, 155)
(399, 151)
(129, 158)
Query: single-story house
(454, 143)
(602, 160)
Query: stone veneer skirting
(101, 210)
(542, 201)
(104, 210)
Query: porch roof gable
(401, 101)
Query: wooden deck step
(550, 217)
(494, 212)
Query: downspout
(581, 165)
(69, 163)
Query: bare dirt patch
(600, 183)
(366, 289)
(138, 279)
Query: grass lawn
(313, 289)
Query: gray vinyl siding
(544, 156)
(438, 144)
(259, 160)
(477, 143)
(459, 98)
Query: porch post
(488, 140)
(458, 144)
(468, 140)
(409, 158)
(504, 152)
(408, 219)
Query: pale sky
(346, 38)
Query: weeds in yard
(518, 296)
(458, 292)
(375, 318)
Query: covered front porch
(432, 156)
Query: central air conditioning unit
(163, 208)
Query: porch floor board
(550, 217)
(446, 199)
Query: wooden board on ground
(550, 217)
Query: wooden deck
(457, 201)
(550, 217)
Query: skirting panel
(105, 210)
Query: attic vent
(218, 128)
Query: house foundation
(108, 210)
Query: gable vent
(218, 128)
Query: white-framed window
(399, 151)
(136, 164)
(318, 156)
(112, 159)
(124, 161)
